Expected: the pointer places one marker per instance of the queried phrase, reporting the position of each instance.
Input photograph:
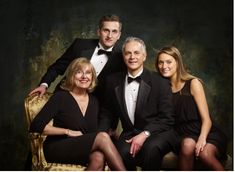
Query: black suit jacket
(154, 111)
(84, 48)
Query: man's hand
(136, 143)
(41, 90)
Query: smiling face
(134, 56)
(80, 75)
(167, 65)
(109, 33)
(83, 77)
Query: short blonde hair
(75, 65)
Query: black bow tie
(137, 79)
(101, 51)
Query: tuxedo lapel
(144, 91)
(115, 62)
(89, 48)
(143, 94)
(119, 91)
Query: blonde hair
(76, 65)
(182, 73)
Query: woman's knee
(103, 137)
(208, 153)
(188, 146)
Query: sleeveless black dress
(65, 112)
(188, 121)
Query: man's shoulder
(155, 76)
(83, 44)
(116, 77)
(86, 41)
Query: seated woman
(201, 139)
(73, 138)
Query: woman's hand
(73, 133)
(201, 143)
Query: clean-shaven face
(83, 77)
(167, 65)
(134, 57)
(109, 34)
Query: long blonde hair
(182, 73)
(76, 65)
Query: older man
(141, 99)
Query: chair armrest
(38, 158)
(33, 135)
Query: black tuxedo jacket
(154, 111)
(84, 48)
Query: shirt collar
(101, 47)
(140, 72)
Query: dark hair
(110, 17)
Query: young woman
(73, 138)
(201, 139)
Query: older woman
(73, 138)
(200, 137)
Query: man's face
(109, 34)
(134, 57)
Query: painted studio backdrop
(34, 33)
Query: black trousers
(152, 152)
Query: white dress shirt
(131, 95)
(99, 61)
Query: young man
(102, 52)
(141, 99)
(105, 62)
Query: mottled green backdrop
(34, 33)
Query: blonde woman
(73, 138)
(201, 139)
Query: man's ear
(145, 57)
(119, 35)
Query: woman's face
(167, 65)
(83, 77)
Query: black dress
(65, 112)
(188, 121)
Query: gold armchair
(33, 105)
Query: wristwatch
(147, 133)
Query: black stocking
(104, 144)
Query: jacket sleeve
(60, 65)
(108, 118)
(164, 117)
(47, 113)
